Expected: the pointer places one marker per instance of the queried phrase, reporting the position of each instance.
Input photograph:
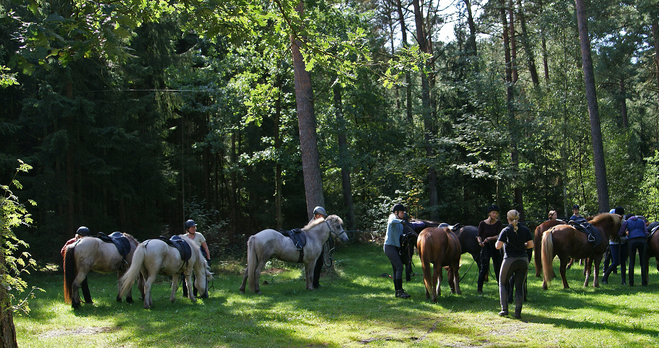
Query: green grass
(355, 307)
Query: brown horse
(440, 248)
(653, 247)
(567, 242)
(93, 254)
(537, 242)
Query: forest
(136, 115)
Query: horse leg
(129, 296)
(148, 302)
(596, 282)
(242, 286)
(190, 285)
(81, 277)
(85, 291)
(308, 273)
(587, 271)
(437, 281)
(562, 270)
(257, 274)
(456, 276)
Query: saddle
(297, 236)
(653, 227)
(179, 244)
(582, 225)
(121, 242)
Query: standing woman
(488, 230)
(515, 240)
(392, 247)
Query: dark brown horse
(537, 242)
(567, 242)
(439, 248)
(469, 243)
(653, 245)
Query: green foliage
(649, 198)
(15, 263)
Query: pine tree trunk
(591, 97)
(343, 160)
(7, 328)
(313, 185)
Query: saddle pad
(121, 242)
(180, 244)
(653, 227)
(594, 236)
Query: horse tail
(70, 272)
(548, 255)
(133, 271)
(252, 261)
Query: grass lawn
(355, 307)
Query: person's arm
(499, 244)
(479, 236)
(205, 246)
(529, 244)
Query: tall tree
(313, 184)
(591, 97)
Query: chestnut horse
(653, 243)
(537, 242)
(567, 242)
(441, 249)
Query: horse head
(335, 225)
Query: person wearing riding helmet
(318, 213)
(82, 231)
(616, 253)
(515, 240)
(200, 241)
(488, 230)
(392, 247)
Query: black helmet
(620, 210)
(398, 207)
(576, 206)
(320, 211)
(190, 223)
(493, 207)
(83, 231)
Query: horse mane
(615, 218)
(131, 238)
(313, 223)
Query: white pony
(154, 256)
(268, 243)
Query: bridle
(334, 233)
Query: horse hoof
(129, 300)
(119, 299)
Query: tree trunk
(655, 34)
(511, 78)
(278, 170)
(7, 328)
(472, 29)
(425, 46)
(408, 76)
(623, 103)
(343, 160)
(313, 185)
(512, 40)
(527, 45)
(545, 54)
(591, 97)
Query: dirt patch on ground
(78, 331)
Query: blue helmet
(83, 231)
(190, 223)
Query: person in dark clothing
(392, 247)
(618, 250)
(515, 239)
(636, 231)
(488, 230)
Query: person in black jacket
(515, 240)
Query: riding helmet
(576, 206)
(83, 231)
(620, 210)
(398, 207)
(190, 223)
(493, 207)
(319, 210)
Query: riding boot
(400, 292)
(623, 270)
